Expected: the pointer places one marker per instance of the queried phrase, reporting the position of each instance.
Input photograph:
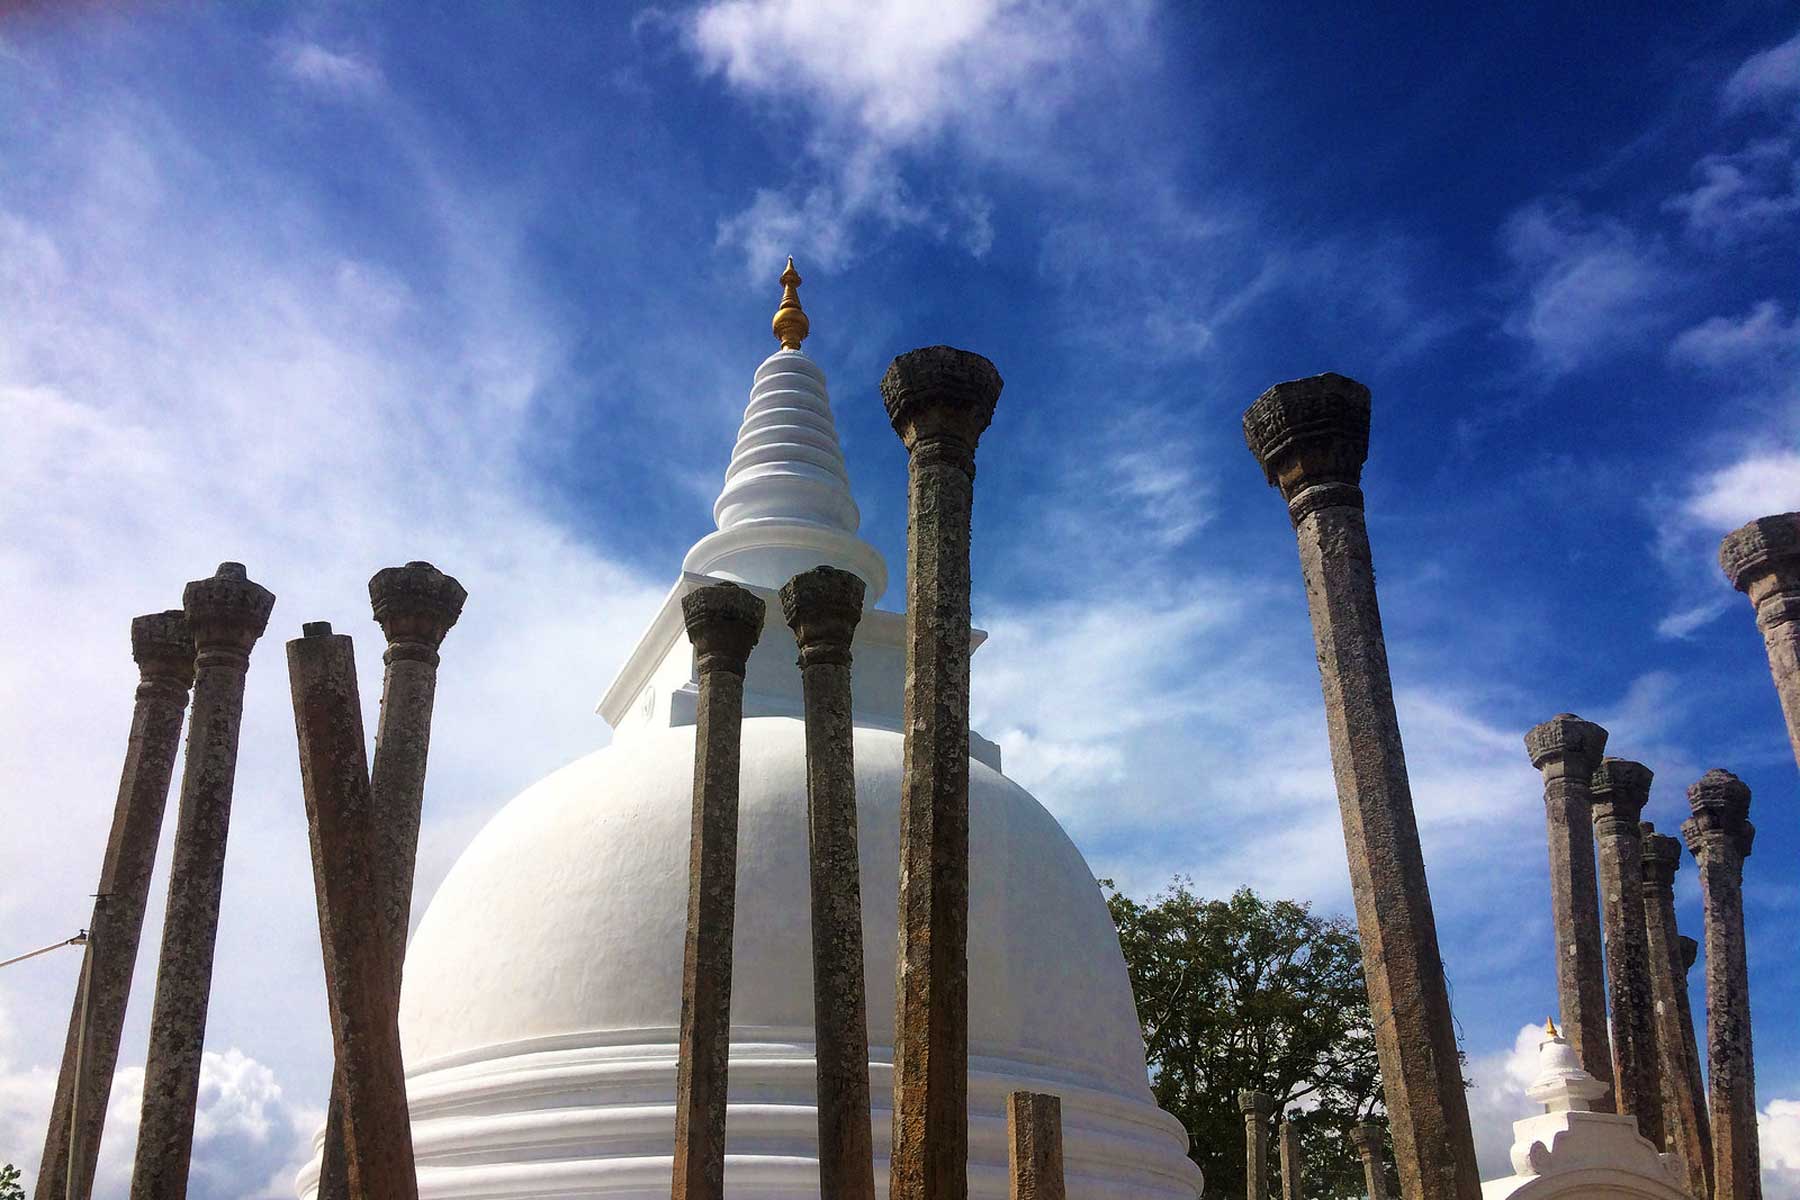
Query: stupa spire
(786, 505)
(790, 324)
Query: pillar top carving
(1311, 431)
(1252, 1102)
(1662, 858)
(1620, 788)
(416, 603)
(1567, 740)
(1721, 806)
(1368, 1136)
(1765, 546)
(1690, 951)
(723, 622)
(822, 607)
(162, 645)
(939, 392)
(227, 611)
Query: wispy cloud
(342, 73)
(1745, 194)
(1587, 284)
(1768, 77)
(1762, 337)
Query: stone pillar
(1368, 1139)
(939, 400)
(1719, 835)
(1689, 952)
(1683, 1098)
(1034, 1146)
(822, 607)
(1293, 1163)
(1257, 1108)
(227, 614)
(1567, 750)
(1311, 437)
(723, 623)
(416, 605)
(348, 853)
(163, 648)
(1620, 789)
(1762, 560)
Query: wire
(79, 939)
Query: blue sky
(325, 287)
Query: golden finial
(1550, 1027)
(790, 323)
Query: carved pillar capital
(1256, 1104)
(822, 607)
(1311, 437)
(723, 622)
(940, 400)
(1367, 1137)
(162, 645)
(1662, 858)
(1620, 789)
(1720, 829)
(1690, 951)
(1762, 560)
(1566, 745)
(227, 613)
(416, 605)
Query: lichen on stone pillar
(1683, 1092)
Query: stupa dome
(539, 1015)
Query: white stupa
(543, 985)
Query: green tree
(1252, 993)
(10, 1188)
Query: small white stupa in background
(1570, 1151)
(543, 986)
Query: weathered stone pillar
(1683, 1098)
(1689, 952)
(348, 854)
(939, 400)
(1620, 789)
(416, 605)
(1567, 750)
(723, 623)
(1293, 1163)
(1762, 560)
(227, 614)
(822, 607)
(163, 648)
(1719, 835)
(1368, 1139)
(1311, 437)
(1034, 1146)
(1257, 1108)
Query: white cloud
(860, 86)
(342, 73)
(1778, 1138)
(1498, 1098)
(1742, 195)
(1768, 77)
(1762, 336)
(1752, 487)
(1588, 284)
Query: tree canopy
(1253, 993)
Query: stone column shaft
(1311, 437)
(163, 646)
(1689, 952)
(1719, 835)
(1762, 560)
(1034, 1146)
(1293, 1163)
(1368, 1139)
(1568, 750)
(1620, 789)
(823, 607)
(939, 400)
(723, 623)
(361, 980)
(416, 606)
(227, 614)
(1257, 1108)
(1683, 1101)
